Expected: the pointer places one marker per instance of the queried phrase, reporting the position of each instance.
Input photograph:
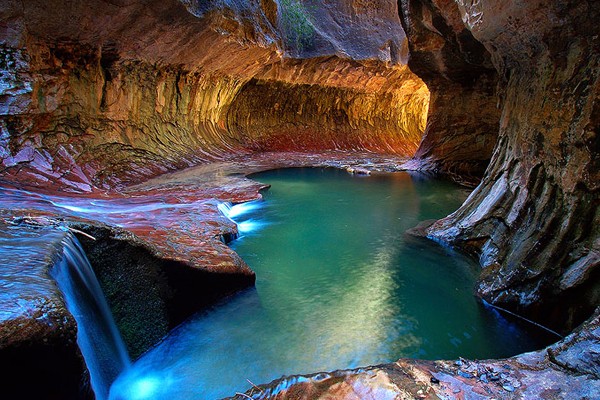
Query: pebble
(465, 374)
(508, 388)
(434, 380)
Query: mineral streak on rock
(534, 221)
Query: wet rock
(508, 388)
(159, 249)
(38, 336)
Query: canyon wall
(331, 103)
(534, 220)
(462, 124)
(110, 93)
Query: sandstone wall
(331, 103)
(534, 220)
(102, 95)
(462, 124)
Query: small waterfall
(235, 211)
(98, 337)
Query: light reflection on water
(338, 286)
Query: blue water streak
(98, 337)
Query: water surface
(338, 286)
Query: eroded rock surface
(464, 114)
(37, 332)
(112, 93)
(159, 249)
(97, 97)
(534, 221)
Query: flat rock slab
(176, 215)
(31, 305)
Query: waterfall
(235, 211)
(98, 338)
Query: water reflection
(338, 286)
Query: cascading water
(97, 335)
(235, 211)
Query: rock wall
(330, 103)
(534, 220)
(39, 354)
(462, 124)
(111, 93)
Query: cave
(128, 124)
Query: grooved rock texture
(106, 94)
(331, 104)
(100, 95)
(535, 219)
(462, 125)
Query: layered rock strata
(108, 94)
(100, 95)
(159, 250)
(37, 332)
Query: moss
(297, 26)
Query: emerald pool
(339, 285)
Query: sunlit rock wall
(104, 94)
(535, 218)
(330, 103)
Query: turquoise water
(338, 286)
